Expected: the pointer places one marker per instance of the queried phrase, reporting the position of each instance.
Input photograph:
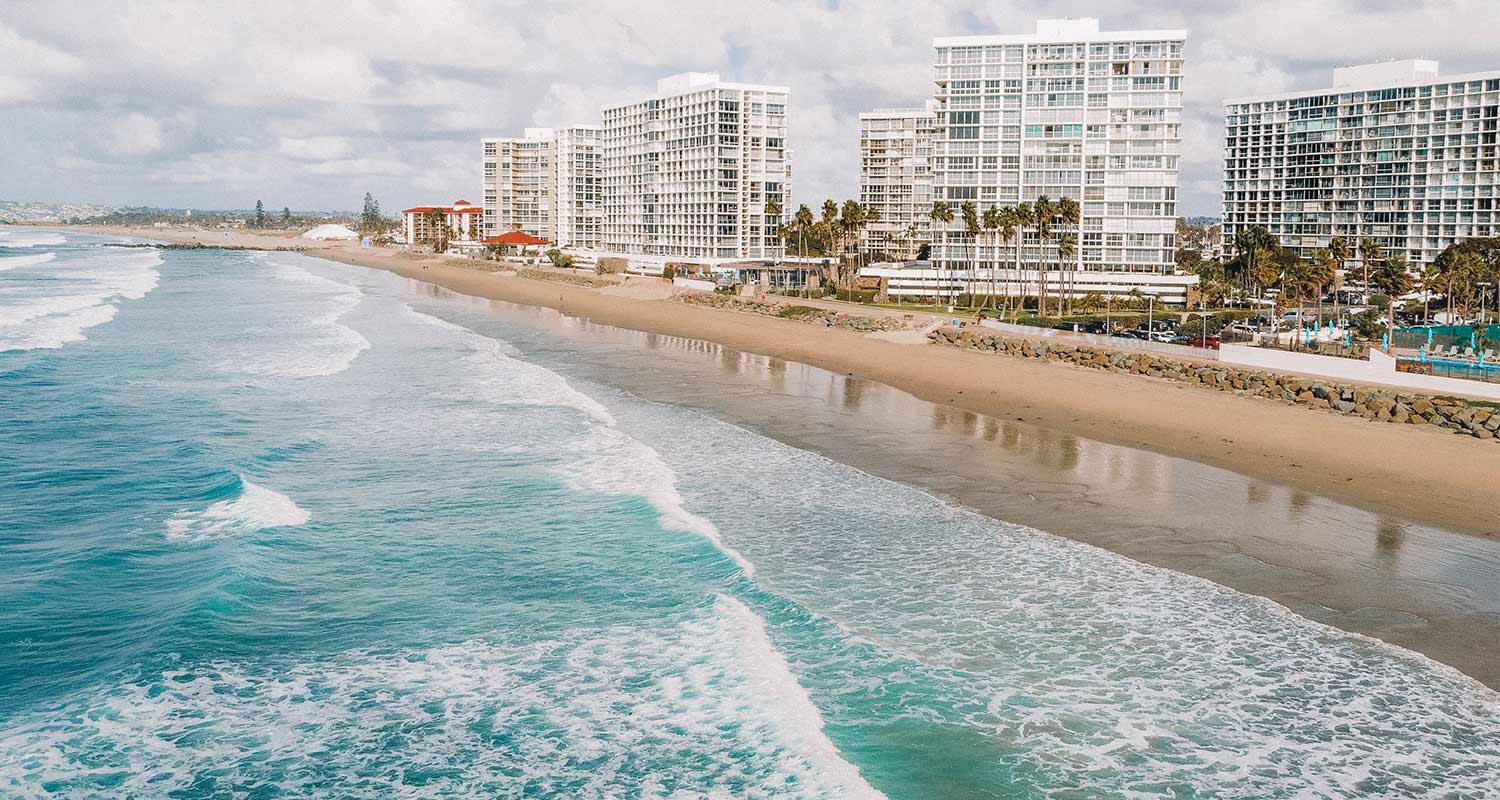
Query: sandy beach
(1384, 530)
(1419, 475)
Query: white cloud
(316, 148)
(133, 135)
(391, 98)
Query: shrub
(795, 311)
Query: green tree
(1338, 248)
(972, 229)
(803, 222)
(260, 214)
(1006, 227)
(1393, 278)
(773, 215)
(1069, 214)
(990, 221)
(1370, 256)
(1043, 213)
(1025, 217)
(1067, 248)
(1251, 245)
(369, 218)
(941, 213)
(286, 216)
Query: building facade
(465, 222)
(578, 199)
(545, 183)
(895, 178)
(689, 172)
(1392, 151)
(1067, 111)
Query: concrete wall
(693, 283)
(1380, 368)
(1111, 342)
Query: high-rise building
(1067, 111)
(895, 178)
(1392, 151)
(545, 183)
(688, 173)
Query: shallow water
(280, 527)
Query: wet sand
(1390, 531)
(1427, 589)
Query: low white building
(925, 280)
(464, 221)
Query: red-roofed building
(465, 222)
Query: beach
(313, 525)
(1335, 569)
(1420, 475)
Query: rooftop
(1060, 31)
(1379, 75)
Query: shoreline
(1418, 475)
(1400, 473)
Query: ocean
(272, 526)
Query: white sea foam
(76, 296)
(611, 461)
(1086, 669)
(315, 345)
(496, 374)
(20, 239)
(16, 262)
(256, 508)
(699, 707)
(607, 459)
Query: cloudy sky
(311, 104)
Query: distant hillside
(21, 211)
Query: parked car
(1161, 336)
(1210, 342)
(1125, 335)
(1240, 327)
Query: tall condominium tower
(1393, 152)
(895, 178)
(1067, 111)
(689, 172)
(545, 183)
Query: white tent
(328, 232)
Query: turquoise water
(276, 527)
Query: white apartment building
(689, 171)
(462, 219)
(1067, 111)
(545, 183)
(895, 178)
(1392, 151)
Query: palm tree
(1370, 253)
(1043, 212)
(991, 223)
(1068, 214)
(1067, 248)
(1322, 272)
(1005, 231)
(803, 220)
(942, 213)
(1394, 280)
(1251, 243)
(773, 211)
(1025, 218)
(972, 228)
(1338, 248)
